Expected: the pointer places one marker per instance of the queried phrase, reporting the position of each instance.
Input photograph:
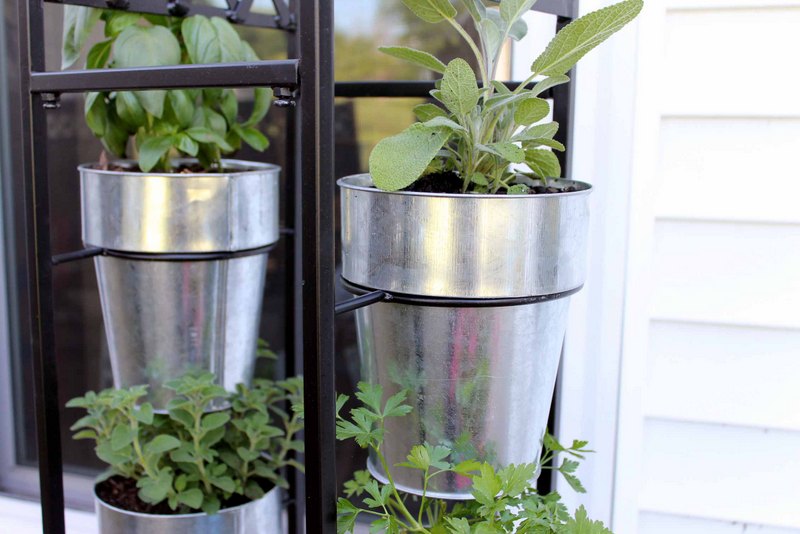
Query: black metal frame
(309, 209)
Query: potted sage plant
(503, 500)
(193, 469)
(184, 232)
(465, 220)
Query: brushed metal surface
(164, 318)
(470, 246)
(264, 516)
(162, 212)
(480, 381)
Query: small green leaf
(517, 478)
(460, 91)
(444, 122)
(144, 414)
(254, 138)
(229, 106)
(214, 420)
(543, 163)
(398, 161)
(226, 484)
(78, 24)
(582, 35)
(152, 101)
(581, 524)
(518, 189)
(518, 30)
(129, 110)
(262, 98)
(98, 54)
(122, 436)
(160, 444)
(205, 135)
(432, 11)
(486, 485)
(492, 34)
(346, 515)
(193, 498)
(428, 111)
(530, 111)
(511, 10)
(458, 525)
(85, 434)
(539, 131)
(118, 21)
(200, 39)
(479, 179)
(508, 151)
(155, 490)
(230, 44)
(152, 150)
(182, 105)
(476, 9)
(547, 83)
(417, 57)
(139, 46)
(187, 145)
(95, 113)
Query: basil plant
(490, 136)
(201, 123)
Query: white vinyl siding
(718, 349)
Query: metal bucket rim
(248, 167)
(232, 509)
(365, 178)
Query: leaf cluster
(504, 499)
(191, 457)
(201, 123)
(492, 137)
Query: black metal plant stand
(305, 82)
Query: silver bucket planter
(264, 516)
(183, 270)
(481, 287)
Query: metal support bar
(40, 290)
(161, 7)
(67, 257)
(281, 73)
(400, 89)
(316, 142)
(362, 301)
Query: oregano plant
(155, 125)
(505, 499)
(491, 137)
(191, 458)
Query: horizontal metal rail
(362, 301)
(282, 73)
(398, 89)
(244, 17)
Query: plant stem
(403, 510)
(485, 75)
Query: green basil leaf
(230, 44)
(152, 150)
(152, 101)
(130, 110)
(254, 138)
(582, 35)
(98, 54)
(200, 39)
(95, 113)
(417, 57)
(262, 98)
(78, 24)
(117, 21)
(229, 106)
(187, 145)
(182, 105)
(138, 46)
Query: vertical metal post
(315, 144)
(37, 231)
(294, 294)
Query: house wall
(709, 430)
(682, 359)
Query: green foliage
(163, 124)
(190, 457)
(505, 499)
(483, 134)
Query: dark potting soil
(122, 493)
(450, 182)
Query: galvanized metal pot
(264, 516)
(182, 277)
(481, 287)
